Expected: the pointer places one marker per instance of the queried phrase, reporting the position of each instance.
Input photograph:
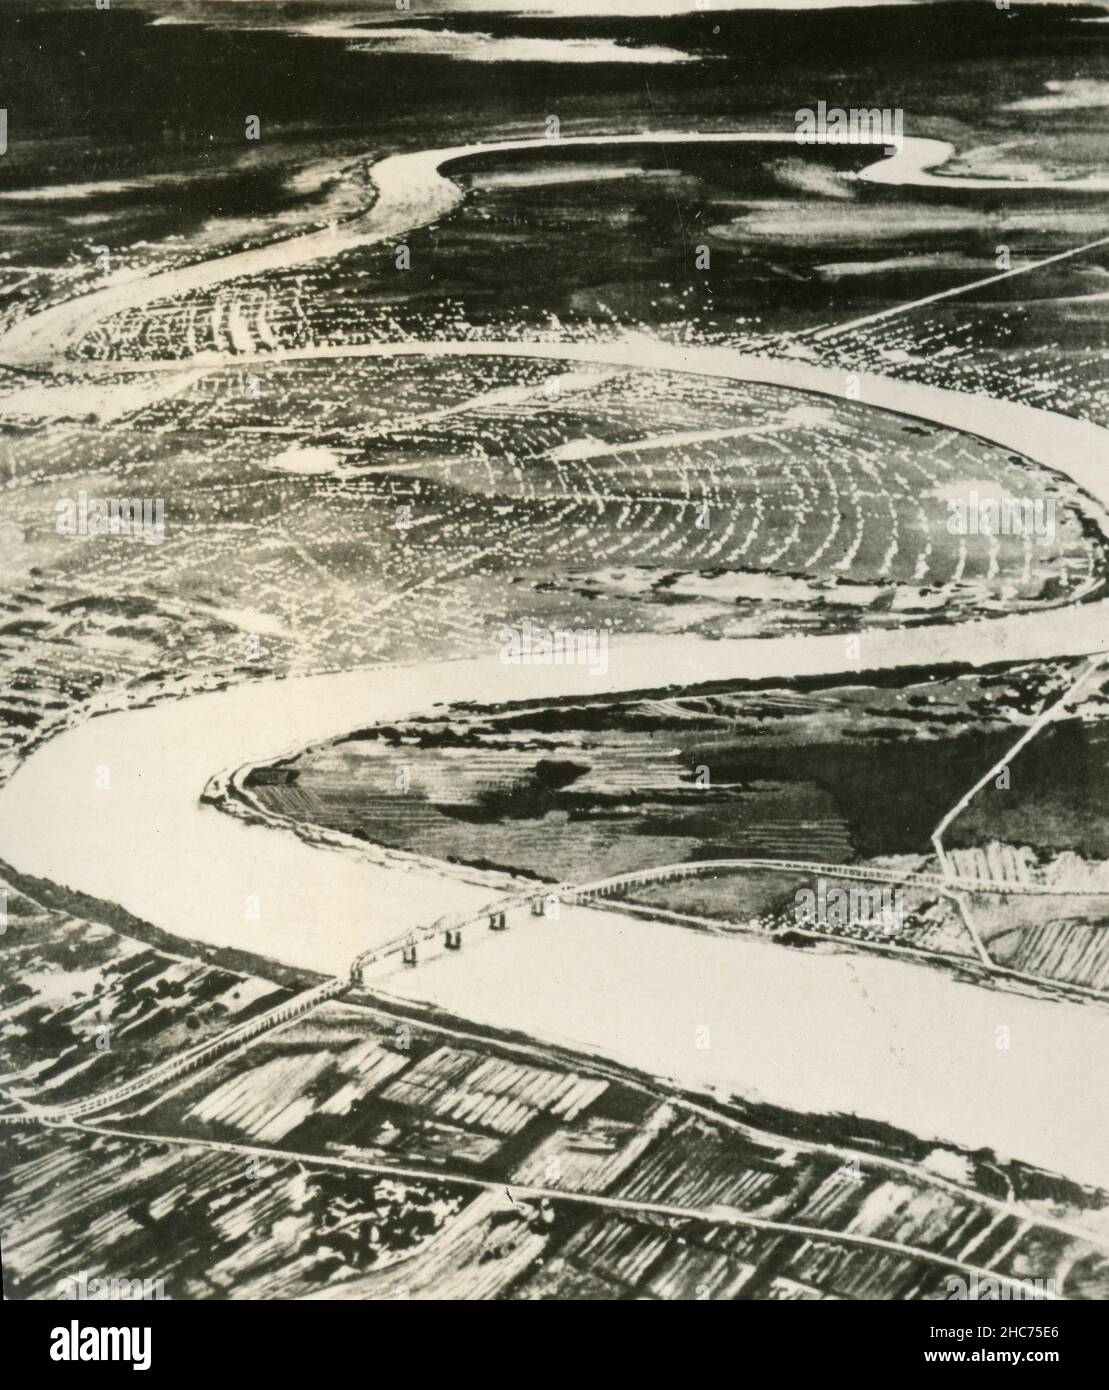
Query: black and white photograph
(554, 663)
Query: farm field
(524, 464)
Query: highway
(190, 869)
(714, 1215)
(156, 1083)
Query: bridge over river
(189, 870)
(545, 900)
(535, 900)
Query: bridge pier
(497, 922)
(546, 905)
(410, 954)
(453, 939)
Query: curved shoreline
(149, 844)
(180, 743)
(413, 192)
